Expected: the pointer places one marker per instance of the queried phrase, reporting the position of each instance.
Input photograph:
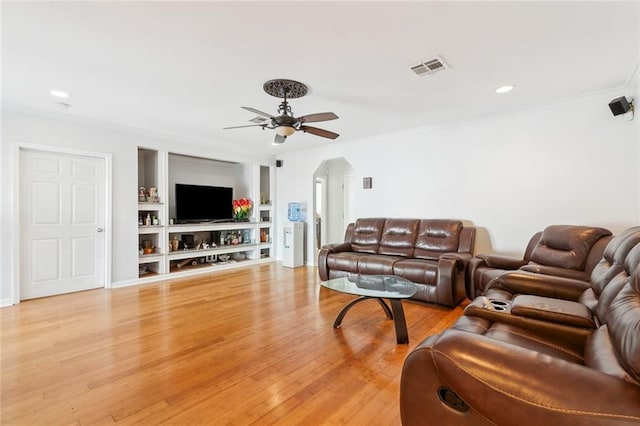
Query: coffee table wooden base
(396, 313)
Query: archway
(333, 201)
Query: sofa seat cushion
(555, 271)
(373, 264)
(417, 270)
(600, 355)
(515, 335)
(344, 261)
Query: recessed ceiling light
(59, 94)
(504, 89)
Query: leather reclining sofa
(432, 253)
(560, 250)
(526, 354)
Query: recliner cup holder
(495, 305)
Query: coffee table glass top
(384, 286)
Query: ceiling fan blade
(279, 139)
(320, 116)
(266, 114)
(248, 125)
(319, 132)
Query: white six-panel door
(62, 238)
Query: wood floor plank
(249, 346)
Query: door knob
(100, 229)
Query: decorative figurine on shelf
(241, 209)
(153, 195)
(148, 247)
(142, 194)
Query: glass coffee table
(377, 287)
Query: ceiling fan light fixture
(285, 130)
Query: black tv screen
(198, 203)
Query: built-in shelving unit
(265, 213)
(151, 213)
(173, 249)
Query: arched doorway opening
(333, 201)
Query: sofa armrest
(449, 281)
(337, 248)
(461, 259)
(323, 268)
(504, 382)
(539, 285)
(501, 262)
(487, 261)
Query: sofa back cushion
(435, 237)
(623, 325)
(398, 237)
(366, 235)
(566, 246)
(613, 258)
(613, 287)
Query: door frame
(15, 206)
(324, 210)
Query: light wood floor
(249, 346)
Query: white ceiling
(184, 69)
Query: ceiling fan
(285, 123)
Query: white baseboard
(6, 302)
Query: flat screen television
(198, 203)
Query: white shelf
(152, 229)
(185, 254)
(264, 224)
(150, 206)
(265, 207)
(149, 258)
(200, 227)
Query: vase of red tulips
(241, 209)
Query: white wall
(58, 130)
(568, 162)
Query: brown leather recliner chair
(560, 250)
(612, 262)
(484, 370)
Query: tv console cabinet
(167, 250)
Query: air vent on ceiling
(430, 66)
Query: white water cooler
(293, 252)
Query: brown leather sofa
(510, 284)
(430, 252)
(537, 363)
(560, 250)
